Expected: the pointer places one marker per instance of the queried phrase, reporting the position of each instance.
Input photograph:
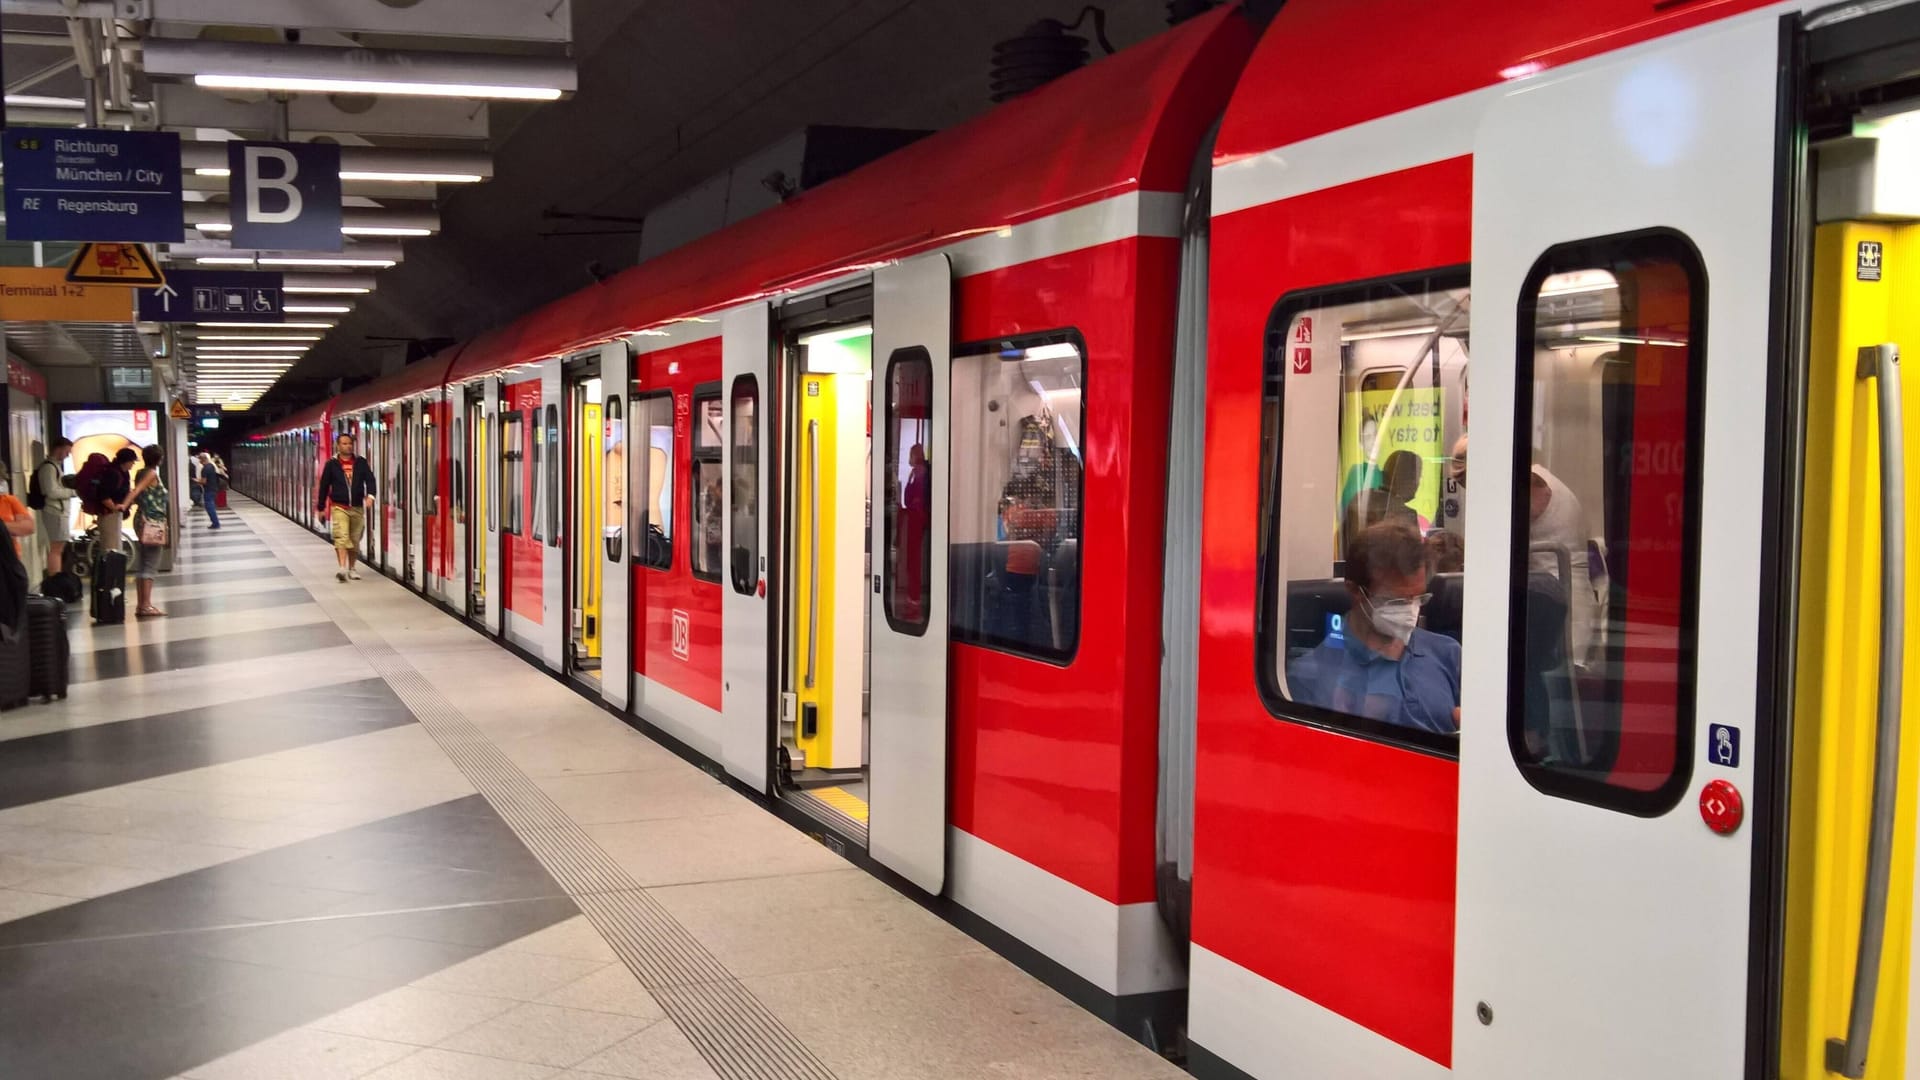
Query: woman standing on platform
(150, 497)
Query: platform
(317, 830)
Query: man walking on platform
(346, 484)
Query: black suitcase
(46, 648)
(14, 682)
(110, 588)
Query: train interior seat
(1316, 607)
(990, 601)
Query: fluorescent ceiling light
(269, 326)
(1615, 339)
(258, 337)
(315, 309)
(382, 176)
(257, 348)
(316, 260)
(845, 333)
(345, 230)
(1373, 335)
(305, 85)
(1060, 350)
(316, 290)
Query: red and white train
(1039, 509)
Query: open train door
(745, 699)
(1622, 264)
(912, 336)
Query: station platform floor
(311, 830)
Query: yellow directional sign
(43, 294)
(180, 410)
(115, 264)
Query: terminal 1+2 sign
(93, 184)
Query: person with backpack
(103, 493)
(51, 498)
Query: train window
(1606, 515)
(510, 472)
(539, 475)
(709, 501)
(908, 524)
(1013, 554)
(613, 479)
(653, 509)
(552, 500)
(745, 496)
(1361, 558)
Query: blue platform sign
(285, 196)
(93, 184)
(214, 296)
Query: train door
(913, 328)
(389, 501)
(419, 466)
(502, 440)
(823, 718)
(586, 491)
(1615, 519)
(745, 621)
(1847, 1002)
(455, 525)
(479, 506)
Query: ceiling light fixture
(258, 337)
(315, 309)
(275, 326)
(317, 290)
(302, 85)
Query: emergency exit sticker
(1866, 263)
(1723, 745)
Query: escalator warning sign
(1866, 263)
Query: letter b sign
(285, 196)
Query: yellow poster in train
(1390, 449)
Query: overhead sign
(114, 264)
(43, 294)
(93, 184)
(179, 410)
(215, 296)
(285, 196)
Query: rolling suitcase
(46, 648)
(14, 666)
(110, 588)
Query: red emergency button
(1721, 807)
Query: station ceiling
(670, 93)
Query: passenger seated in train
(1383, 665)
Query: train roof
(1128, 122)
(300, 419)
(1325, 65)
(418, 377)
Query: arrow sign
(214, 296)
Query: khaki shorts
(349, 527)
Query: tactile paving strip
(737, 1035)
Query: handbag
(153, 533)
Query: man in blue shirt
(1383, 666)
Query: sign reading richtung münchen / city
(92, 184)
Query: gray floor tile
(199, 652)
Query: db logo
(682, 634)
(1303, 361)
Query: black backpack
(36, 498)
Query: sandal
(148, 613)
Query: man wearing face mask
(1382, 665)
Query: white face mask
(1394, 618)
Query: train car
(280, 465)
(1070, 511)
(1509, 842)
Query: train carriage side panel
(676, 615)
(522, 557)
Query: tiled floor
(311, 830)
